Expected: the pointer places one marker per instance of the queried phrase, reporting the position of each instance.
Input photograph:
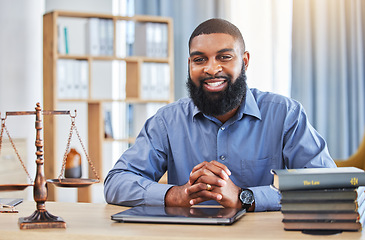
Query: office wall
(99, 6)
(21, 68)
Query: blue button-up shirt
(268, 131)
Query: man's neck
(223, 118)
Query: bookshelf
(101, 64)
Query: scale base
(41, 219)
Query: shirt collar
(249, 107)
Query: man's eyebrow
(226, 50)
(196, 53)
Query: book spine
(320, 207)
(66, 40)
(321, 181)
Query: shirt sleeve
(133, 179)
(303, 146)
(266, 198)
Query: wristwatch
(247, 198)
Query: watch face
(246, 197)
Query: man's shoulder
(182, 106)
(274, 99)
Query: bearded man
(219, 144)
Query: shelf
(129, 100)
(111, 58)
(115, 82)
(127, 140)
(136, 18)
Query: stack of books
(321, 198)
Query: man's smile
(215, 85)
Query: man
(220, 144)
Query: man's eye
(225, 57)
(198, 60)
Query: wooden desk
(92, 221)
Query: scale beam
(44, 112)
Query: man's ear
(246, 59)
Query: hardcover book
(343, 206)
(329, 194)
(331, 215)
(318, 178)
(323, 225)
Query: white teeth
(215, 84)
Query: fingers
(203, 196)
(225, 192)
(201, 183)
(197, 167)
(201, 186)
(207, 179)
(222, 166)
(203, 171)
(217, 164)
(209, 169)
(203, 191)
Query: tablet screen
(194, 215)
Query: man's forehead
(217, 42)
(212, 36)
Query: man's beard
(218, 103)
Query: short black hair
(218, 25)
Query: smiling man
(219, 144)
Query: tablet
(185, 215)
(11, 201)
(7, 205)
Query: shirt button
(223, 157)
(222, 128)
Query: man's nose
(212, 68)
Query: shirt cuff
(155, 194)
(266, 198)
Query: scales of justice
(41, 218)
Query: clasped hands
(207, 181)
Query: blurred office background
(310, 50)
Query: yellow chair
(355, 160)
(163, 179)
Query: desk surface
(92, 221)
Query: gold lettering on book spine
(354, 181)
(306, 182)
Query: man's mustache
(214, 77)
